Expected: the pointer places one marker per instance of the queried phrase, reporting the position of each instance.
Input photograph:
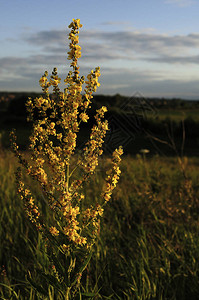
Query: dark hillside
(135, 122)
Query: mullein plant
(56, 119)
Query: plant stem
(67, 293)
(67, 177)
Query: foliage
(148, 242)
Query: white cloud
(129, 61)
(125, 45)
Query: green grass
(148, 243)
(175, 114)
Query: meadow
(79, 223)
(147, 247)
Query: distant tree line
(128, 111)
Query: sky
(149, 47)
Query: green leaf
(37, 287)
(9, 288)
(51, 280)
(88, 294)
(82, 268)
(59, 267)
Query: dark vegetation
(134, 122)
(148, 244)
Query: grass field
(176, 115)
(147, 247)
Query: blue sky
(145, 46)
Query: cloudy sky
(145, 46)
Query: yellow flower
(39, 101)
(59, 136)
(52, 125)
(84, 117)
(107, 197)
(77, 21)
(55, 80)
(53, 230)
(42, 80)
(54, 164)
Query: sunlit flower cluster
(56, 121)
(113, 174)
(31, 208)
